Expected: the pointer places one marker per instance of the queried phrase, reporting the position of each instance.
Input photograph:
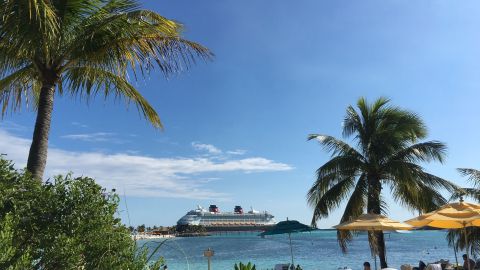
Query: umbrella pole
(291, 248)
(375, 261)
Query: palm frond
(380, 104)
(352, 123)
(344, 237)
(465, 192)
(341, 165)
(380, 128)
(402, 124)
(11, 60)
(28, 26)
(331, 173)
(323, 184)
(15, 89)
(324, 203)
(355, 207)
(74, 36)
(87, 82)
(402, 171)
(383, 205)
(456, 239)
(363, 106)
(435, 182)
(414, 188)
(472, 174)
(422, 152)
(388, 151)
(415, 195)
(139, 39)
(335, 146)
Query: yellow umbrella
(450, 216)
(373, 222)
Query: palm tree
(386, 154)
(83, 48)
(456, 238)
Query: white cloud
(211, 149)
(238, 152)
(12, 126)
(137, 175)
(92, 137)
(77, 124)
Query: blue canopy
(288, 226)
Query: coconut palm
(83, 49)
(473, 176)
(456, 238)
(386, 154)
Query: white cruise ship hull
(228, 221)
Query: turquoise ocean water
(313, 251)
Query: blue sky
(236, 128)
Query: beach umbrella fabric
(288, 227)
(450, 216)
(373, 222)
(457, 215)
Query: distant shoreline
(151, 236)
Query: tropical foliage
(83, 49)
(456, 238)
(385, 155)
(69, 223)
(190, 229)
(241, 266)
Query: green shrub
(67, 223)
(241, 266)
(9, 251)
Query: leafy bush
(9, 251)
(68, 223)
(241, 266)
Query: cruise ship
(238, 220)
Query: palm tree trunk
(37, 157)
(381, 250)
(373, 206)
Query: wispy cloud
(77, 124)
(237, 152)
(180, 177)
(12, 126)
(93, 137)
(211, 149)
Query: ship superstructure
(214, 219)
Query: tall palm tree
(386, 153)
(83, 48)
(456, 238)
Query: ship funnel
(238, 209)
